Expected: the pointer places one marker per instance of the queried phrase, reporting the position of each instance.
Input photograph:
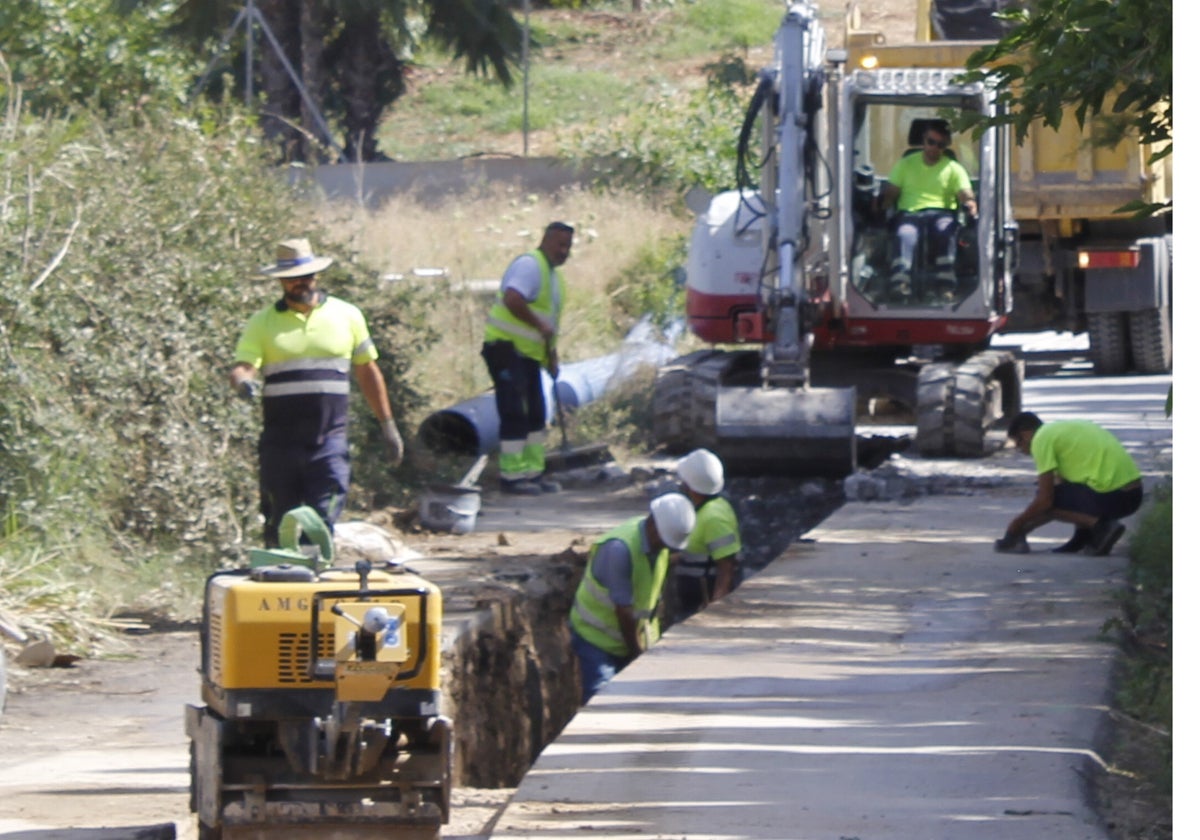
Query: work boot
(524, 487)
(1011, 545)
(548, 485)
(1079, 540)
(1105, 536)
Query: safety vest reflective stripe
(598, 592)
(291, 389)
(720, 542)
(519, 330)
(306, 376)
(303, 365)
(692, 564)
(579, 613)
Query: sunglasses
(941, 144)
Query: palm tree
(347, 56)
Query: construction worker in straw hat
(306, 345)
(708, 567)
(615, 613)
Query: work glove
(392, 440)
(248, 389)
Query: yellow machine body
(259, 629)
(321, 712)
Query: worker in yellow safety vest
(520, 339)
(615, 613)
(708, 568)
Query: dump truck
(1084, 265)
(320, 712)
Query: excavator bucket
(786, 431)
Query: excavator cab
(792, 269)
(937, 277)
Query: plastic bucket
(450, 508)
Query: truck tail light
(1110, 259)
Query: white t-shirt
(525, 275)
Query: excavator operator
(927, 189)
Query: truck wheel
(1108, 336)
(1150, 340)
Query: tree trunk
(312, 74)
(369, 77)
(282, 105)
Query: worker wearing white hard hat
(615, 613)
(707, 569)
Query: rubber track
(670, 407)
(975, 394)
(956, 404)
(935, 391)
(683, 406)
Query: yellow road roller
(321, 702)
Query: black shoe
(1105, 536)
(1079, 540)
(1011, 545)
(524, 487)
(547, 485)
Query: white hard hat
(702, 471)
(674, 517)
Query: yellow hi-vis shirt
(306, 362)
(1082, 452)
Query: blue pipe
(472, 427)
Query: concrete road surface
(890, 679)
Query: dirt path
(100, 745)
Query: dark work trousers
(292, 474)
(519, 398)
(1083, 499)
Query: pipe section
(472, 427)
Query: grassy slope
(586, 67)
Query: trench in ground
(510, 681)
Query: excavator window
(885, 132)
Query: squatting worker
(306, 344)
(1085, 477)
(615, 613)
(927, 188)
(707, 569)
(520, 339)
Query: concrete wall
(432, 182)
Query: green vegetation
(1144, 622)
(1136, 796)
(454, 117)
(129, 246)
(657, 100)
(1106, 59)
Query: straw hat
(294, 258)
